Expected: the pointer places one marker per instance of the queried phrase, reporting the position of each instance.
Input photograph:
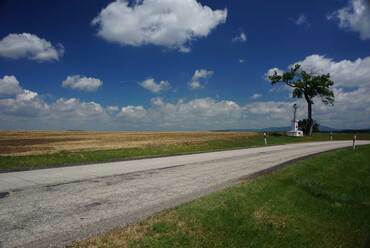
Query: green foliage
(304, 125)
(307, 85)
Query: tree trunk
(310, 121)
(309, 112)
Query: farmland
(26, 150)
(46, 142)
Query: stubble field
(27, 150)
(46, 142)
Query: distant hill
(328, 129)
(275, 129)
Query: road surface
(54, 207)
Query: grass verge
(322, 201)
(29, 162)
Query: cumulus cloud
(154, 87)
(26, 109)
(197, 80)
(133, 112)
(242, 37)
(351, 89)
(268, 107)
(27, 103)
(345, 73)
(25, 45)
(355, 17)
(112, 109)
(351, 109)
(73, 107)
(167, 23)
(202, 113)
(9, 86)
(78, 82)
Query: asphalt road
(53, 207)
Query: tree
(308, 86)
(304, 126)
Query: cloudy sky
(177, 64)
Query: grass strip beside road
(29, 162)
(322, 201)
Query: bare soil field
(44, 142)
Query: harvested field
(43, 142)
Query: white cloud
(82, 83)
(202, 113)
(25, 45)
(198, 78)
(241, 61)
(133, 112)
(112, 109)
(25, 104)
(271, 72)
(345, 73)
(154, 87)
(301, 20)
(268, 107)
(168, 23)
(73, 107)
(351, 89)
(355, 17)
(351, 109)
(256, 96)
(9, 86)
(28, 110)
(242, 37)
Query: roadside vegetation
(63, 158)
(322, 201)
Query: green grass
(14, 163)
(322, 201)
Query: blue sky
(232, 90)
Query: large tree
(306, 85)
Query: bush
(304, 126)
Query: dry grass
(167, 223)
(43, 142)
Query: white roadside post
(354, 142)
(265, 137)
(331, 135)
